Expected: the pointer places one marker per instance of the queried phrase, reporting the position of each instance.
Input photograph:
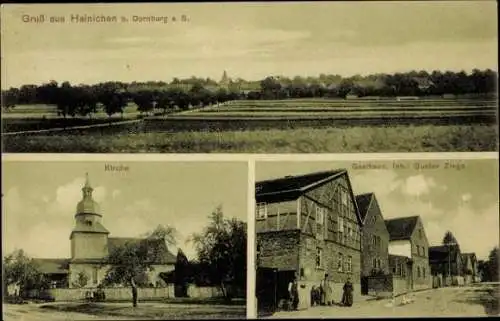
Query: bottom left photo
(123, 240)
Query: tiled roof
(401, 228)
(52, 266)
(439, 253)
(164, 255)
(291, 187)
(363, 202)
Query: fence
(124, 293)
(387, 285)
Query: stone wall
(330, 259)
(279, 249)
(125, 293)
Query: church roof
(52, 266)
(157, 246)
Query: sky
(463, 201)
(40, 198)
(248, 40)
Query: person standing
(134, 292)
(347, 299)
(294, 293)
(327, 291)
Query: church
(91, 244)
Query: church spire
(87, 189)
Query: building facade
(309, 226)
(375, 237)
(374, 241)
(408, 239)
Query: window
(344, 197)
(394, 270)
(420, 233)
(403, 270)
(418, 271)
(341, 229)
(423, 272)
(261, 210)
(374, 263)
(88, 222)
(320, 220)
(340, 262)
(348, 265)
(319, 254)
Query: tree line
(113, 97)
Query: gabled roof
(52, 266)
(440, 253)
(401, 228)
(364, 201)
(291, 187)
(164, 256)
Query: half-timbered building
(307, 226)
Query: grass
(455, 138)
(153, 310)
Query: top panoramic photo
(246, 77)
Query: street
(120, 311)
(479, 300)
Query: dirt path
(455, 301)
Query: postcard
(376, 238)
(297, 77)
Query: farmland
(270, 126)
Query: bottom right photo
(377, 238)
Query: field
(123, 311)
(282, 126)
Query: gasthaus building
(306, 226)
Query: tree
(221, 247)
(144, 100)
(449, 239)
(493, 264)
(130, 263)
(20, 269)
(81, 280)
(182, 274)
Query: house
(91, 244)
(446, 260)
(307, 226)
(408, 239)
(469, 263)
(374, 240)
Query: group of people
(322, 295)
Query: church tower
(89, 238)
